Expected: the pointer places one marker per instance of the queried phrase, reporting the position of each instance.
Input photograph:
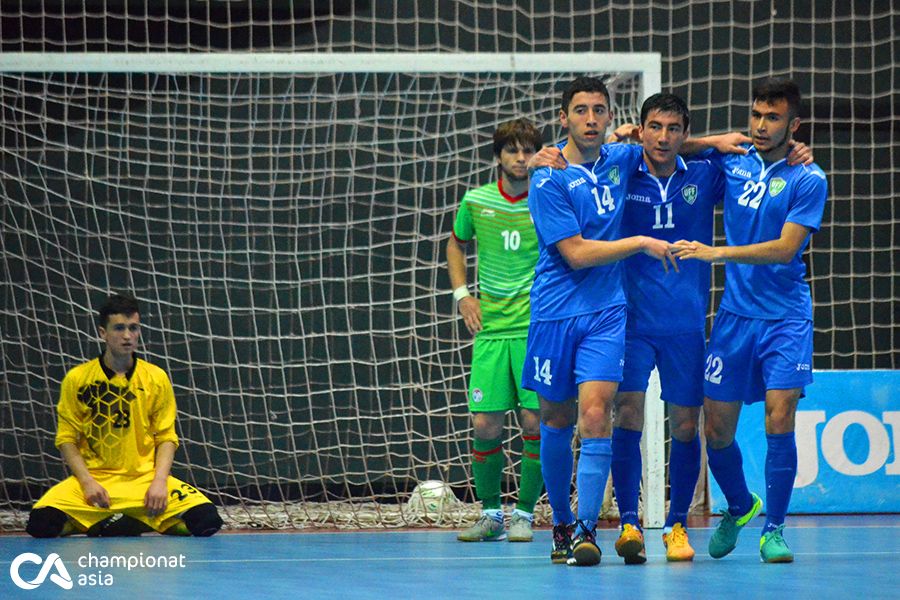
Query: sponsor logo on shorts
(477, 395)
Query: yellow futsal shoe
(678, 548)
(630, 545)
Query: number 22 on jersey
(753, 193)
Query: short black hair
(583, 84)
(778, 88)
(117, 304)
(518, 131)
(666, 103)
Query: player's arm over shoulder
(712, 145)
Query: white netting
(843, 55)
(285, 235)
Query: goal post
(281, 217)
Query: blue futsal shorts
(748, 356)
(679, 359)
(563, 353)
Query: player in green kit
(497, 214)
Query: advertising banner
(847, 438)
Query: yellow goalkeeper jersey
(117, 421)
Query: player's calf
(202, 520)
(46, 522)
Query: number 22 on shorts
(542, 370)
(714, 367)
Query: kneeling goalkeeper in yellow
(116, 433)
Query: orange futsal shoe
(678, 548)
(630, 545)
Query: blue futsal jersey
(580, 199)
(759, 200)
(675, 208)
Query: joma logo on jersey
(689, 193)
(577, 182)
(488, 212)
(638, 198)
(614, 175)
(741, 172)
(776, 185)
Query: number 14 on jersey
(604, 204)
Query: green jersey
(507, 253)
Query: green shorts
(496, 381)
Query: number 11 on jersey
(669, 224)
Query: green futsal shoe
(724, 539)
(773, 548)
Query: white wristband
(460, 293)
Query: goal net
(282, 219)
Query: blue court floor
(836, 557)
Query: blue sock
(781, 469)
(556, 467)
(593, 471)
(727, 466)
(626, 472)
(684, 469)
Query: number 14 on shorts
(542, 370)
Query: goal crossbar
(647, 63)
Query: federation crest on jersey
(689, 193)
(776, 185)
(477, 395)
(614, 175)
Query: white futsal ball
(431, 498)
